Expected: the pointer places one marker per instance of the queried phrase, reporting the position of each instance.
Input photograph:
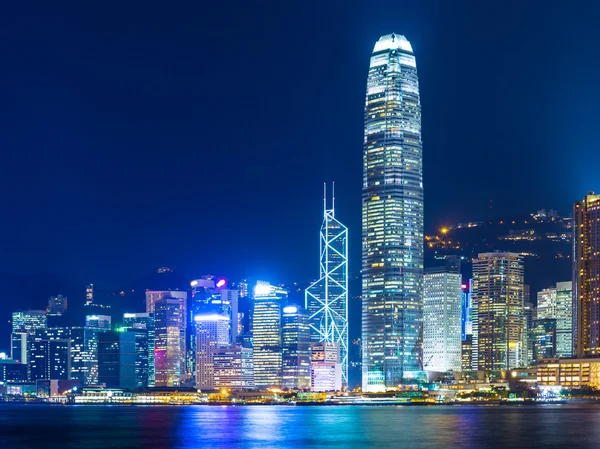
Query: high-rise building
(94, 326)
(467, 313)
(212, 332)
(169, 340)
(29, 321)
(295, 336)
(586, 277)
(267, 350)
(467, 353)
(57, 305)
(325, 367)
(142, 325)
(49, 359)
(18, 347)
(530, 316)
(564, 319)
(98, 321)
(498, 295)
(546, 303)
(233, 368)
(116, 359)
(76, 336)
(544, 331)
(442, 297)
(327, 298)
(392, 218)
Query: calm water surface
(157, 427)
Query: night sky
(197, 136)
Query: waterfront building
(57, 305)
(142, 325)
(564, 319)
(326, 299)
(569, 373)
(18, 347)
(49, 359)
(12, 371)
(586, 277)
(116, 359)
(267, 350)
(392, 218)
(544, 331)
(295, 335)
(29, 321)
(233, 368)
(325, 367)
(498, 291)
(442, 298)
(212, 332)
(170, 338)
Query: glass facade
(295, 336)
(564, 319)
(392, 218)
(142, 325)
(327, 298)
(586, 277)
(498, 297)
(169, 343)
(212, 332)
(442, 297)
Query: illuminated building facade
(29, 321)
(442, 301)
(586, 277)
(325, 367)
(392, 218)
(327, 298)
(98, 321)
(569, 373)
(49, 359)
(142, 325)
(233, 368)
(77, 350)
(564, 319)
(546, 303)
(544, 331)
(212, 332)
(295, 335)
(169, 339)
(498, 291)
(268, 303)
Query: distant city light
(210, 317)
(221, 283)
(194, 283)
(262, 289)
(290, 309)
(463, 286)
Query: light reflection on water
(282, 427)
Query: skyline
(107, 130)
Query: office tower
(212, 332)
(153, 296)
(169, 343)
(544, 331)
(267, 335)
(528, 335)
(98, 321)
(327, 298)
(467, 317)
(392, 218)
(467, 353)
(49, 359)
(442, 298)
(233, 368)
(57, 305)
(18, 347)
(77, 350)
(325, 367)
(498, 290)
(116, 359)
(295, 336)
(29, 321)
(546, 303)
(586, 276)
(89, 294)
(142, 325)
(564, 319)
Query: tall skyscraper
(392, 218)
(268, 303)
(546, 303)
(327, 298)
(142, 325)
(49, 359)
(295, 336)
(212, 332)
(586, 276)
(116, 359)
(498, 290)
(442, 297)
(564, 319)
(169, 340)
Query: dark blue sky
(197, 135)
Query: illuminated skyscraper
(142, 325)
(295, 336)
(564, 319)
(498, 291)
(268, 303)
(169, 343)
(392, 218)
(327, 299)
(586, 277)
(212, 332)
(442, 297)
